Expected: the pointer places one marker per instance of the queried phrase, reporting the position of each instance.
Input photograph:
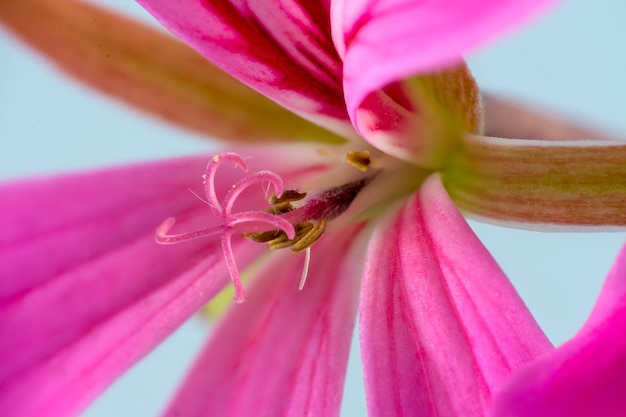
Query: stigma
(227, 220)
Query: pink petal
(283, 352)
(54, 217)
(85, 280)
(282, 49)
(585, 376)
(86, 291)
(388, 40)
(441, 326)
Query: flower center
(295, 219)
(311, 218)
(448, 104)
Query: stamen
(264, 236)
(283, 225)
(288, 196)
(305, 268)
(283, 241)
(310, 237)
(227, 220)
(282, 204)
(311, 218)
(282, 208)
(359, 159)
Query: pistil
(227, 219)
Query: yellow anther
(283, 241)
(281, 208)
(310, 237)
(359, 159)
(287, 196)
(265, 236)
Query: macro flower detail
(374, 131)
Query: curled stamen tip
(229, 156)
(289, 231)
(240, 298)
(359, 159)
(161, 231)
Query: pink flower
(90, 292)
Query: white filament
(305, 269)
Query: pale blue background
(573, 60)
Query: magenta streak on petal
(283, 50)
(441, 326)
(585, 376)
(284, 351)
(388, 40)
(302, 28)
